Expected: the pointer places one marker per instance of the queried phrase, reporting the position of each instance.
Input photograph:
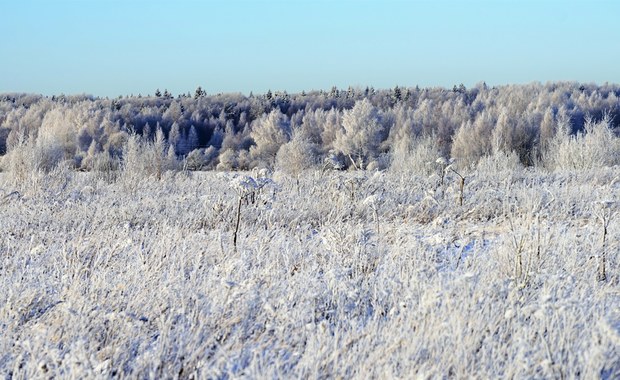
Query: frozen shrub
(227, 160)
(4, 134)
(381, 162)
(415, 156)
(20, 161)
(101, 163)
(499, 162)
(145, 159)
(48, 154)
(354, 276)
(197, 159)
(334, 160)
(30, 163)
(595, 147)
(105, 167)
(296, 156)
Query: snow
(352, 275)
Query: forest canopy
(355, 128)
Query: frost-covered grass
(354, 275)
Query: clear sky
(114, 47)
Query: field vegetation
(335, 243)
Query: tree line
(354, 128)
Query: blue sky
(115, 47)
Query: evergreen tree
(396, 95)
(199, 93)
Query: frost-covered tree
(595, 147)
(415, 155)
(362, 134)
(173, 113)
(199, 93)
(228, 160)
(56, 140)
(547, 130)
(297, 155)
(21, 159)
(147, 131)
(192, 140)
(172, 163)
(175, 138)
(473, 140)
(311, 126)
(525, 119)
(198, 159)
(396, 95)
(88, 161)
(514, 135)
(503, 133)
(331, 124)
(269, 133)
(144, 159)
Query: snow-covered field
(353, 275)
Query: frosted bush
(499, 162)
(197, 160)
(243, 184)
(363, 275)
(20, 161)
(334, 161)
(297, 155)
(48, 154)
(228, 160)
(416, 157)
(593, 148)
(145, 159)
(29, 157)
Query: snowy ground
(356, 275)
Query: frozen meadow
(361, 274)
